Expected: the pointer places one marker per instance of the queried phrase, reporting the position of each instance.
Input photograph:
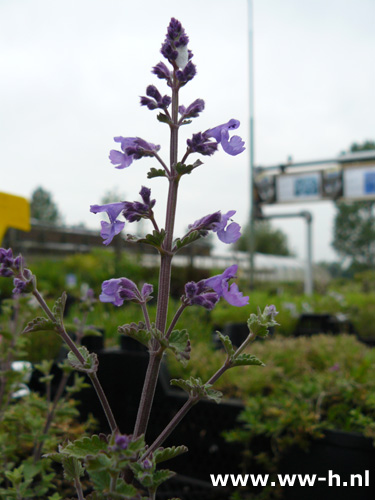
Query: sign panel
(299, 187)
(359, 182)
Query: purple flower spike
(231, 294)
(227, 233)
(114, 226)
(133, 148)
(116, 291)
(235, 145)
(135, 211)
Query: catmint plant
(125, 466)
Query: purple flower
(186, 74)
(218, 223)
(118, 290)
(155, 99)
(193, 110)
(135, 211)
(162, 72)
(235, 145)
(270, 311)
(200, 294)
(227, 233)
(122, 442)
(220, 285)
(133, 148)
(200, 143)
(114, 226)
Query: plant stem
(182, 412)
(153, 368)
(175, 319)
(93, 376)
(78, 487)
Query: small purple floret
(135, 211)
(235, 145)
(220, 285)
(117, 290)
(200, 143)
(114, 226)
(133, 148)
(218, 223)
(122, 442)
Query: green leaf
(72, 468)
(186, 240)
(137, 332)
(156, 172)
(155, 239)
(163, 118)
(85, 446)
(182, 169)
(91, 361)
(162, 475)
(227, 343)
(179, 344)
(213, 394)
(39, 324)
(247, 360)
(59, 308)
(163, 454)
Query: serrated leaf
(247, 360)
(85, 446)
(72, 468)
(183, 169)
(155, 172)
(193, 386)
(91, 361)
(137, 332)
(160, 476)
(213, 394)
(179, 344)
(227, 343)
(59, 308)
(163, 454)
(39, 324)
(186, 240)
(155, 239)
(163, 118)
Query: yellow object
(14, 212)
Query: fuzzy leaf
(91, 361)
(59, 308)
(213, 394)
(155, 172)
(163, 118)
(187, 169)
(163, 454)
(227, 343)
(247, 360)
(155, 239)
(186, 240)
(85, 446)
(162, 475)
(179, 344)
(39, 324)
(72, 468)
(137, 332)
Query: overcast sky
(72, 71)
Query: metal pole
(309, 268)
(251, 144)
(308, 286)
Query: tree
(268, 240)
(43, 208)
(354, 226)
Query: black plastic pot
(345, 455)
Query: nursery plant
(126, 466)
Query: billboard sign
(359, 182)
(299, 187)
